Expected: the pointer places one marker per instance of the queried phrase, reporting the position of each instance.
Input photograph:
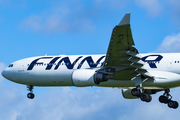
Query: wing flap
(120, 41)
(122, 58)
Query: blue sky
(53, 27)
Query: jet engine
(88, 77)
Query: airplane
(139, 75)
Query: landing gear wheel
(145, 97)
(149, 99)
(173, 104)
(167, 99)
(135, 92)
(30, 95)
(163, 99)
(176, 104)
(170, 104)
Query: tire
(144, 97)
(175, 105)
(149, 98)
(171, 104)
(135, 92)
(163, 99)
(30, 95)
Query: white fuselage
(58, 70)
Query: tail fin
(125, 20)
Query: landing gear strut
(30, 95)
(143, 96)
(166, 99)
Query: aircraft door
(170, 61)
(21, 67)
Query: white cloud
(172, 6)
(64, 16)
(64, 103)
(58, 103)
(170, 43)
(154, 7)
(56, 23)
(70, 16)
(77, 16)
(2, 67)
(112, 4)
(12, 3)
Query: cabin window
(176, 62)
(11, 65)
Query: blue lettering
(49, 66)
(90, 62)
(67, 62)
(152, 62)
(33, 63)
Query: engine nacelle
(127, 94)
(88, 77)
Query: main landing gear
(139, 92)
(166, 99)
(30, 95)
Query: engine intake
(88, 77)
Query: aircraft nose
(8, 74)
(12, 75)
(4, 73)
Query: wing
(123, 61)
